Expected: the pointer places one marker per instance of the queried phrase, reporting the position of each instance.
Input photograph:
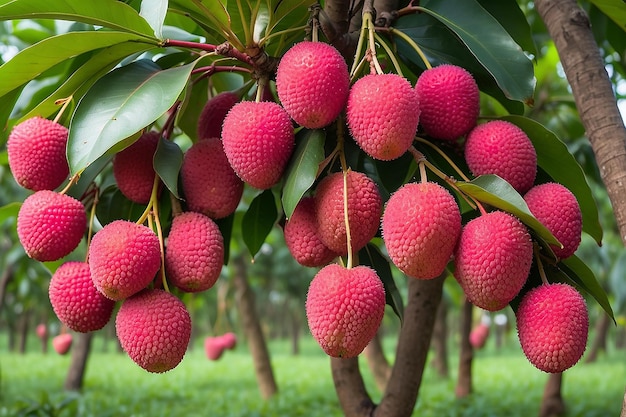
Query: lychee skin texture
(76, 301)
(344, 308)
(312, 83)
(210, 184)
(557, 208)
(213, 114)
(195, 252)
(123, 258)
(133, 169)
(302, 238)
(50, 225)
(62, 343)
(258, 140)
(449, 101)
(364, 211)
(36, 150)
(501, 148)
(382, 114)
(552, 326)
(493, 259)
(421, 225)
(154, 328)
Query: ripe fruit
(344, 308)
(194, 253)
(50, 225)
(478, 336)
(312, 83)
(364, 210)
(62, 343)
(382, 114)
(552, 325)
(42, 331)
(154, 328)
(449, 101)
(258, 140)
(133, 169)
(213, 348)
(75, 300)
(210, 184)
(501, 148)
(213, 114)
(123, 258)
(421, 225)
(493, 259)
(557, 208)
(36, 150)
(229, 340)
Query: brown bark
(377, 362)
(440, 340)
(623, 413)
(466, 354)
(599, 340)
(5, 278)
(295, 334)
(552, 404)
(353, 396)
(80, 353)
(23, 331)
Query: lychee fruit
(210, 184)
(36, 151)
(382, 113)
(42, 331)
(478, 336)
(501, 148)
(344, 308)
(213, 114)
(213, 348)
(552, 326)
(76, 301)
(133, 169)
(258, 140)
(50, 225)
(62, 343)
(421, 225)
(556, 207)
(312, 83)
(195, 252)
(123, 258)
(154, 328)
(364, 210)
(229, 340)
(493, 259)
(449, 101)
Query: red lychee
(62, 343)
(382, 114)
(213, 114)
(421, 225)
(214, 348)
(552, 325)
(501, 148)
(36, 150)
(478, 336)
(133, 169)
(229, 340)
(312, 83)
(50, 225)
(493, 259)
(344, 308)
(449, 101)
(154, 327)
(42, 331)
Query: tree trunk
(5, 278)
(377, 362)
(599, 340)
(440, 340)
(295, 334)
(78, 365)
(623, 413)
(552, 404)
(466, 354)
(23, 329)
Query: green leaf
(9, 211)
(87, 177)
(154, 12)
(614, 9)
(6, 107)
(112, 206)
(196, 97)
(167, 162)
(212, 16)
(512, 18)
(258, 221)
(225, 225)
(371, 256)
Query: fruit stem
(66, 101)
(261, 84)
(371, 52)
(444, 156)
(422, 168)
(92, 217)
(224, 49)
(411, 43)
(159, 231)
(356, 64)
(315, 22)
(73, 180)
(344, 169)
(542, 272)
(390, 54)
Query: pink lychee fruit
(62, 343)
(213, 114)
(50, 225)
(312, 83)
(213, 348)
(229, 340)
(154, 328)
(344, 308)
(478, 336)
(133, 169)
(382, 113)
(421, 225)
(449, 101)
(36, 151)
(41, 330)
(493, 259)
(258, 140)
(501, 148)
(552, 326)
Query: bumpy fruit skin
(258, 140)
(557, 208)
(76, 301)
(344, 308)
(62, 343)
(382, 114)
(552, 326)
(154, 328)
(36, 150)
(421, 225)
(364, 211)
(213, 114)
(501, 148)
(449, 101)
(493, 259)
(195, 252)
(50, 225)
(133, 169)
(312, 83)
(211, 186)
(123, 258)
(302, 238)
